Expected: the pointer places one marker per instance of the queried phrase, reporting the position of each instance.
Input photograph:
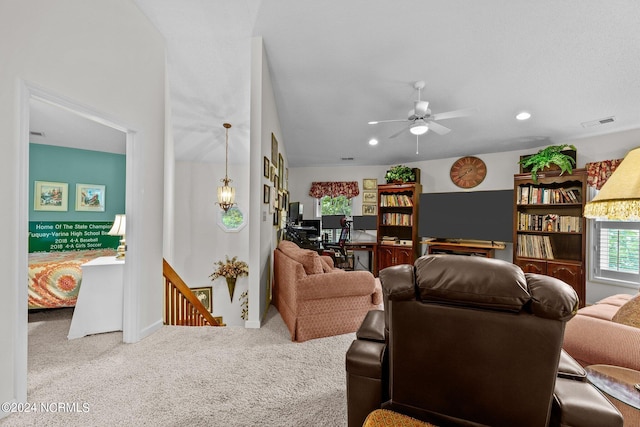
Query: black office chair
(337, 250)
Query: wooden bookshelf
(398, 213)
(549, 235)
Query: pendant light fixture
(226, 193)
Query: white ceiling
(336, 64)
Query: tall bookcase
(549, 233)
(398, 213)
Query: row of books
(397, 219)
(395, 200)
(532, 195)
(549, 222)
(534, 246)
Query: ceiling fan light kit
(419, 127)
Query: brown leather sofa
(471, 341)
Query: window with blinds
(617, 251)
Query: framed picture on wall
(274, 149)
(369, 210)
(369, 197)
(90, 197)
(204, 296)
(266, 193)
(50, 196)
(280, 172)
(369, 184)
(266, 167)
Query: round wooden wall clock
(468, 172)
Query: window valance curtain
(599, 172)
(349, 189)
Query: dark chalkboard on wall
(467, 215)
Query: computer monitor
(295, 213)
(365, 222)
(331, 222)
(315, 223)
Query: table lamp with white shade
(119, 229)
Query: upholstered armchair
(471, 341)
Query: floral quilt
(55, 277)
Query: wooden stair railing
(181, 306)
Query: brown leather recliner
(471, 341)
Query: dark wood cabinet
(549, 230)
(398, 212)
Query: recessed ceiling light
(524, 115)
(373, 141)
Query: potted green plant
(399, 174)
(545, 158)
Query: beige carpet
(183, 376)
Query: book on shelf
(394, 200)
(534, 246)
(394, 218)
(549, 222)
(533, 195)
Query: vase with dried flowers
(230, 269)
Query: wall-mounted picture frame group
(90, 197)
(50, 196)
(204, 296)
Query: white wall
(107, 56)
(264, 122)
(198, 240)
(500, 170)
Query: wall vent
(599, 122)
(34, 133)
(346, 158)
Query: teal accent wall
(73, 166)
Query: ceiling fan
(420, 119)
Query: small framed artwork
(274, 149)
(276, 218)
(275, 182)
(266, 167)
(204, 296)
(280, 200)
(280, 172)
(50, 196)
(266, 193)
(369, 210)
(369, 197)
(369, 184)
(90, 197)
(272, 172)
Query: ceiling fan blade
(438, 128)
(453, 114)
(375, 122)
(398, 133)
(420, 108)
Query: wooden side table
(99, 306)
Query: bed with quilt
(55, 277)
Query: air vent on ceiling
(346, 158)
(599, 122)
(34, 133)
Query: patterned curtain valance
(599, 172)
(334, 189)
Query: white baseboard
(151, 329)
(252, 324)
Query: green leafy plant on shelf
(400, 173)
(552, 155)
